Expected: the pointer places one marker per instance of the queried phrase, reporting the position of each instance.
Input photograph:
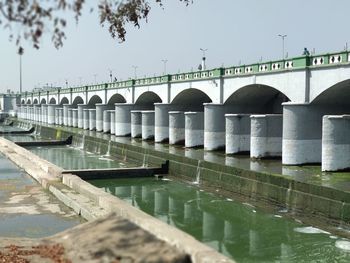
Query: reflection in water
(236, 230)
(69, 157)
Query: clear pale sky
(231, 30)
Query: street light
(135, 68)
(95, 75)
(20, 72)
(164, 61)
(111, 74)
(203, 58)
(283, 37)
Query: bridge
(294, 109)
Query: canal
(238, 230)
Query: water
(69, 157)
(27, 210)
(239, 231)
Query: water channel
(27, 210)
(238, 230)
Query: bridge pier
(107, 121)
(70, 118)
(214, 126)
(51, 113)
(37, 109)
(147, 125)
(161, 119)
(81, 108)
(75, 118)
(100, 108)
(44, 109)
(176, 127)
(194, 129)
(335, 142)
(237, 136)
(86, 119)
(123, 119)
(302, 133)
(92, 119)
(59, 112)
(266, 135)
(112, 121)
(65, 113)
(136, 124)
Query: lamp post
(164, 61)
(283, 37)
(203, 58)
(135, 69)
(20, 73)
(111, 74)
(95, 75)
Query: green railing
(301, 62)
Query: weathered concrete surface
(111, 239)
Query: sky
(232, 31)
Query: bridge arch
(338, 94)
(29, 101)
(148, 98)
(43, 101)
(35, 101)
(78, 100)
(94, 100)
(52, 101)
(191, 97)
(116, 98)
(64, 100)
(257, 98)
(23, 101)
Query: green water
(14, 223)
(239, 231)
(70, 157)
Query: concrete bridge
(294, 108)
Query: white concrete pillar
(214, 126)
(302, 133)
(60, 116)
(194, 129)
(107, 121)
(112, 121)
(70, 117)
(86, 119)
(92, 119)
(100, 108)
(57, 110)
(136, 124)
(123, 119)
(37, 112)
(75, 118)
(161, 120)
(65, 113)
(81, 108)
(147, 125)
(237, 133)
(51, 113)
(335, 142)
(266, 135)
(31, 113)
(44, 110)
(176, 127)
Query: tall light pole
(203, 58)
(95, 75)
(111, 74)
(283, 37)
(135, 69)
(164, 62)
(20, 73)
